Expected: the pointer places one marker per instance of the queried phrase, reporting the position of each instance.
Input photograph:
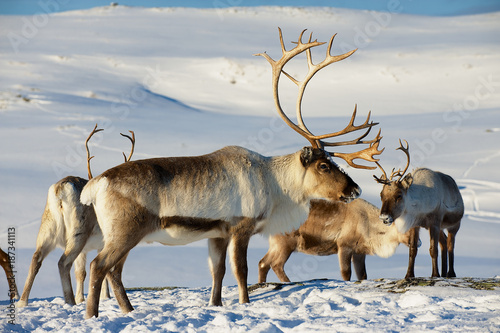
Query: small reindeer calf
(352, 230)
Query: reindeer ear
(306, 156)
(407, 181)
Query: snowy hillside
(187, 83)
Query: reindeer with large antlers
(69, 224)
(225, 196)
(423, 198)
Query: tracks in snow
(481, 199)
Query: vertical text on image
(11, 274)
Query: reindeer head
(394, 191)
(324, 179)
(320, 168)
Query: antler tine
(132, 139)
(383, 179)
(348, 129)
(288, 55)
(283, 49)
(395, 174)
(407, 152)
(95, 130)
(365, 154)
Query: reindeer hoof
(21, 304)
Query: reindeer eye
(324, 167)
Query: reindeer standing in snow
(69, 224)
(225, 196)
(353, 230)
(423, 198)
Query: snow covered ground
(311, 306)
(186, 82)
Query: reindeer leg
(345, 257)
(434, 232)
(115, 278)
(113, 255)
(264, 267)
(278, 263)
(72, 251)
(451, 250)
(36, 263)
(280, 249)
(80, 275)
(238, 253)
(98, 271)
(413, 250)
(217, 248)
(105, 289)
(359, 265)
(11, 281)
(279, 266)
(444, 252)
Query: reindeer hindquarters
(217, 249)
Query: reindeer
(423, 198)
(72, 226)
(350, 229)
(11, 280)
(225, 196)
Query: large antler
(95, 130)
(132, 139)
(317, 140)
(386, 180)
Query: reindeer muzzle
(356, 192)
(387, 219)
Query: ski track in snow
(476, 192)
